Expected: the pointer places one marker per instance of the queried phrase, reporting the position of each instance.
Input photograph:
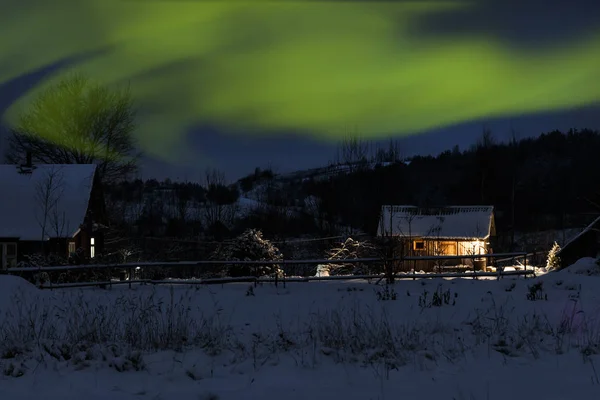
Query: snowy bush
(39, 260)
(250, 246)
(348, 249)
(553, 261)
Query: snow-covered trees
(250, 246)
(553, 261)
(348, 249)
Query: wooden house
(440, 231)
(46, 209)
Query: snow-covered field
(423, 339)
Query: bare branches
(486, 141)
(77, 122)
(49, 192)
(352, 150)
(220, 200)
(391, 154)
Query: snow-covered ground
(422, 339)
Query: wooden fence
(133, 272)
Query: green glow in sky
(265, 67)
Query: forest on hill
(543, 183)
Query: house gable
(54, 196)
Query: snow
(22, 211)
(318, 340)
(584, 266)
(468, 222)
(246, 206)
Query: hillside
(547, 184)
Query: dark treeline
(543, 183)
(549, 182)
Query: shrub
(536, 292)
(553, 261)
(348, 249)
(250, 246)
(438, 298)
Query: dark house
(585, 244)
(440, 231)
(46, 209)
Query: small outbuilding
(440, 231)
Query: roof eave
(417, 237)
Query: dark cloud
(531, 23)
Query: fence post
(525, 266)
(255, 274)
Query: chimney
(28, 167)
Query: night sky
(531, 24)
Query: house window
(72, 248)
(447, 249)
(92, 248)
(419, 245)
(8, 255)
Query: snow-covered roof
(452, 222)
(22, 200)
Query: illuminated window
(418, 245)
(472, 247)
(447, 248)
(72, 248)
(92, 248)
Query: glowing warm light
(92, 248)
(472, 247)
(268, 67)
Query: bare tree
(390, 154)
(350, 249)
(352, 152)
(403, 239)
(182, 198)
(153, 212)
(514, 147)
(220, 200)
(78, 122)
(134, 209)
(59, 223)
(49, 192)
(390, 243)
(314, 207)
(482, 150)
(439, 248)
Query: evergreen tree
(553, 261)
